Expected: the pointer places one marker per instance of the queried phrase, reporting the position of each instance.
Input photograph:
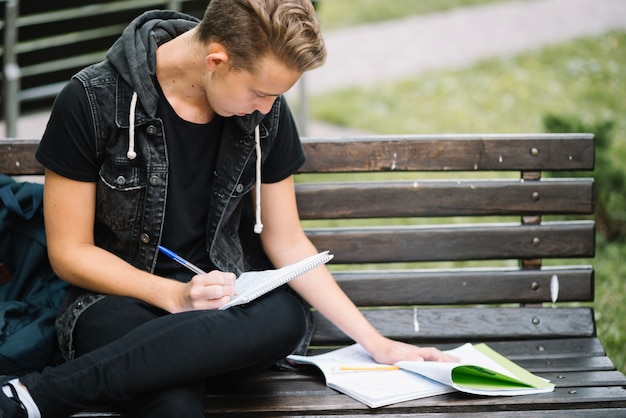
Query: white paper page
(439, 371)
(250, 281)
(442, 372)
(374, 388)
(252, 284)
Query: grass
(609, 303)
(584, 78)
(341, 13)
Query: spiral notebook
(252, 284)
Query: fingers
(211, 290)
(433, 354)
(215, 278)
(390, 352)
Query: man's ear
(216, 57)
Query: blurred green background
(576, 86)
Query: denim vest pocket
(120, 202)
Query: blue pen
(171, 254)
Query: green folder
(477, 377)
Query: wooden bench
(441, 240)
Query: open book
(481, 371)
(252, 284)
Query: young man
(158, 145)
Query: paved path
(365, 55)
(404, 48)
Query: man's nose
(264, 104)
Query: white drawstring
(131, 154)
(258, 226)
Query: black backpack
(30, 293)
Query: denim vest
(130, 193)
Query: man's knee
(109, 319)
(287, 323)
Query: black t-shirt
(191, 149)
(68, 148)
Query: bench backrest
(425, 229)
(449, 222)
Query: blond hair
(250, 29)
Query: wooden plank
(308, 380)
(17, 157)
(432, 325)
(444, 198)
(552, 349)
(464, 286)
(576, 364)
(303, 393)
(554, 354)
(586, 413)
(245, 404)
(534, 152)
(451, 243)
(603, 412)
(387, 143)
(575, 379)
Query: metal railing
(13, 74)
(14, 89)
(10, 68)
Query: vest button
(151, 130)
(145, 238)
(239, 188)
(154, 180)
(120, 180)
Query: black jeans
(145, 360)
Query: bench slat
(308, 380)
(428, 153)
(441, 287)
(568, 365)
(451, 153)
(601, 413)
(17, 157)
(432, 325)
(444, 198)
(450, 243)
(291, 402)
(581, 379)
(551, 350)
